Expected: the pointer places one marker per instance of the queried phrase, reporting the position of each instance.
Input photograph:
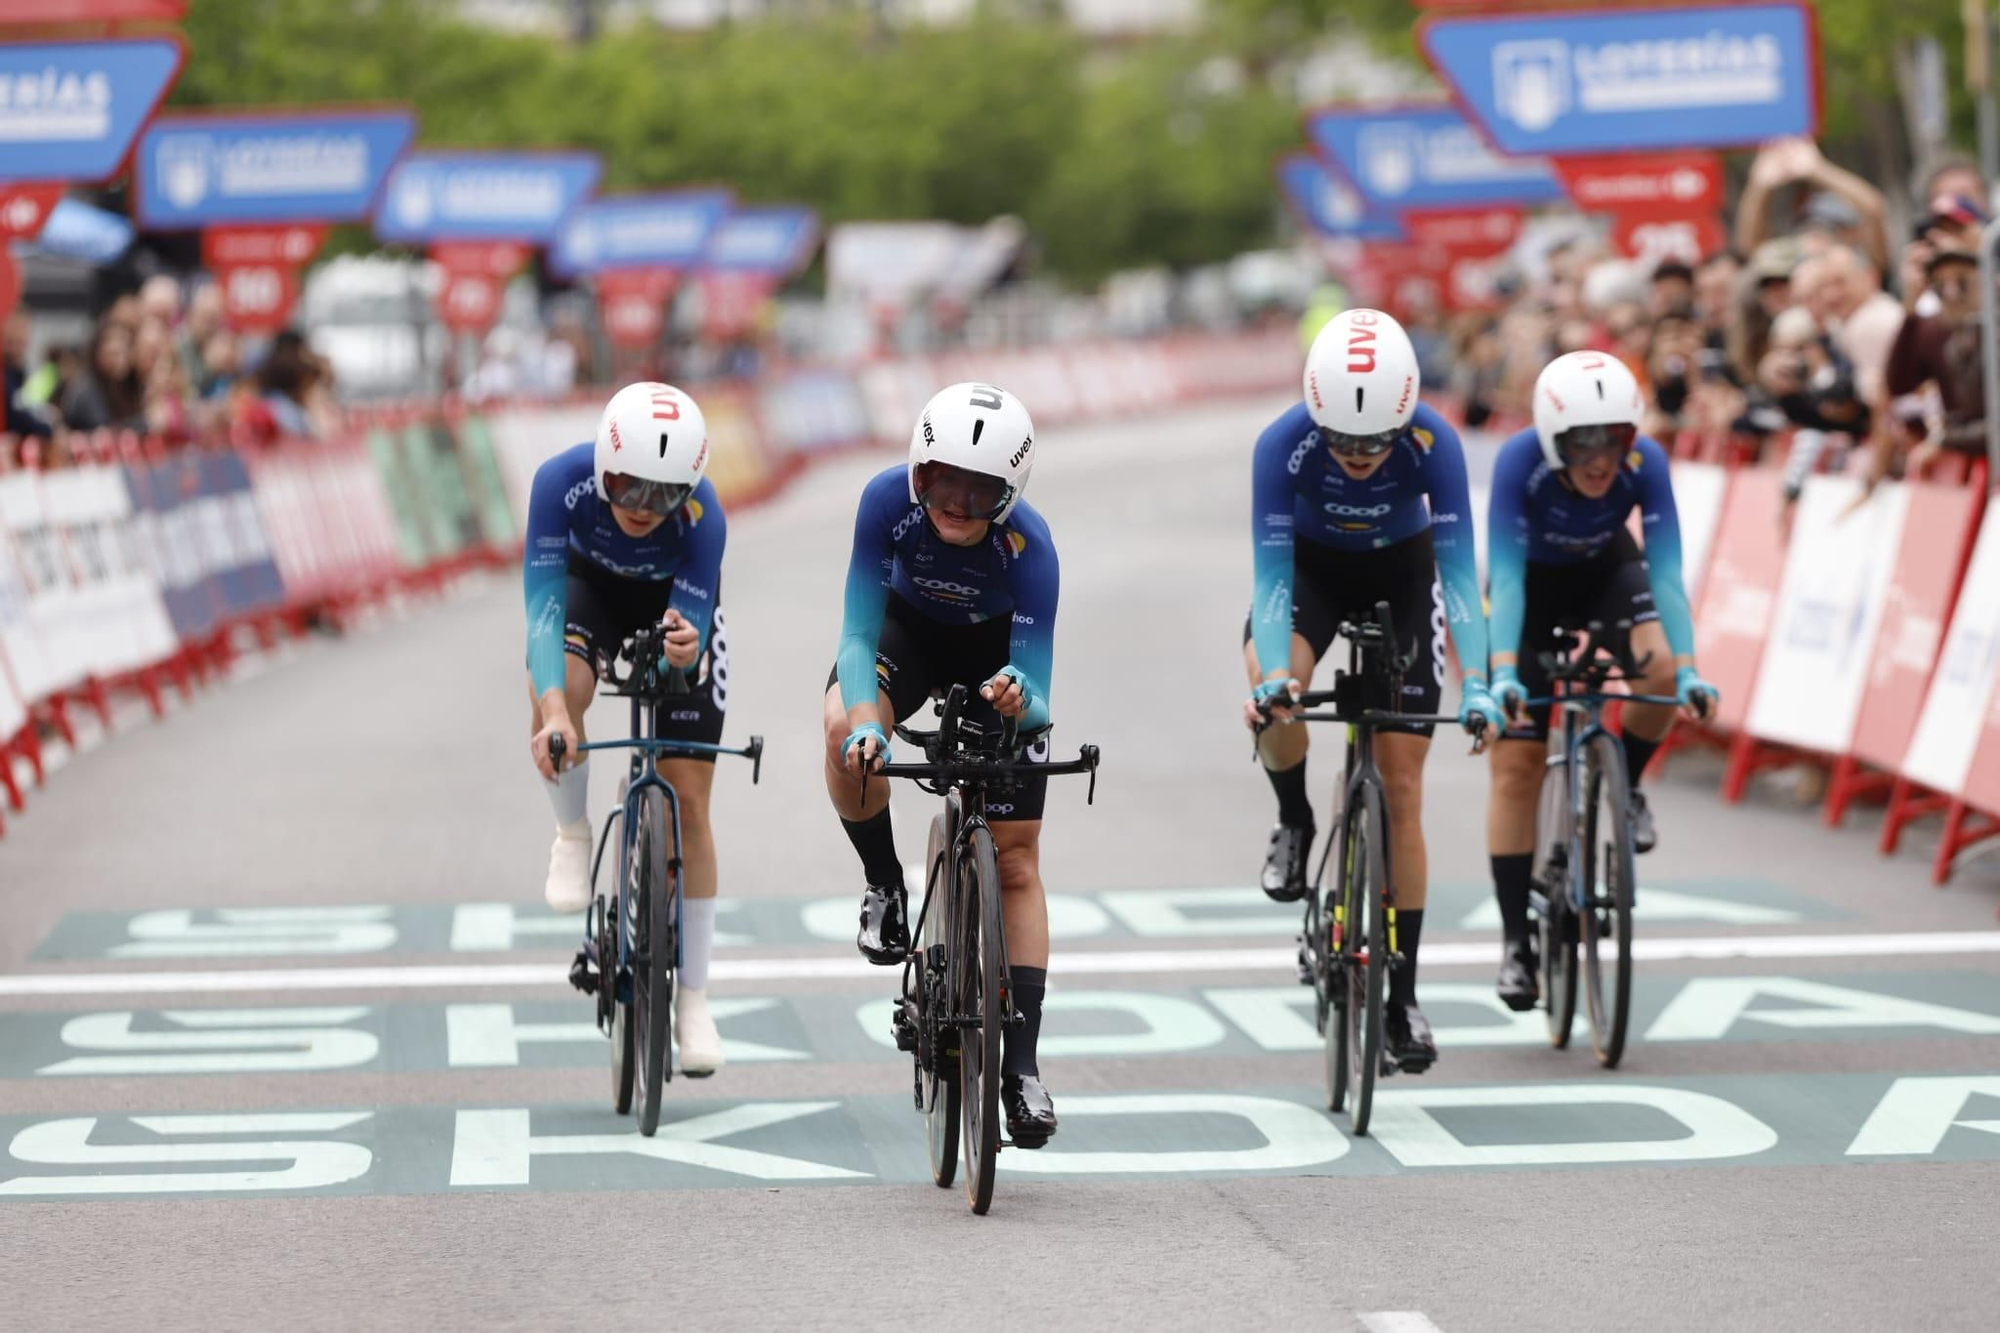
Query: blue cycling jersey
(1300, 492)
(1012, 572)
(566, 516)
(1535, 516)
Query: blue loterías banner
(1425, 157)
(776, 241)
(1609, 81)
(480, 196)
(70, 110)
(659, 229)
(1328, 205)
(322, 165)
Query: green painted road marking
(1079, 1024)
(1762, 1121)
(1124, 914)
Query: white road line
(1130, 962)
(1398, 1321)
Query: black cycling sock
(1018, 1056)
(1638, 753)
(1295, 808)
(877, 846)
(1511, 877)
(1403, 980)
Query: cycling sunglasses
(1361, 446)
(1579, 442)
(956, 491)
(657, 498)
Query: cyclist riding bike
(624, 533)
(952, 581)
(1358, 495)
(1560, 556)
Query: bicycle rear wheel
(622, 1062)
(1558, 925)
(937, 1044)
(978, 1000)
(1365, 871)
(1607, 876)
(651, 892)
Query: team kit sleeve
(1661, 522)
(1034, 580)
(1452, 540)
(1271, 530)
(868, 571)
(545, 574)
(698, 580)
(1507, 546)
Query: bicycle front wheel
(1365, 875)
(978, 1003)
(1558, 925)
(650, 890)
(937, 1042)
(1607, 876)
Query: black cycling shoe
(1520, 982)
(1408, 1034)
(884, 938)
(1640, 816)
(1031, 1114)
(1284, 877)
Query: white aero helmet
(652, 445)
(1361, 381)
(971, 452)
(1585, 400)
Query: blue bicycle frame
(1575, 739)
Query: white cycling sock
(570, 794)
(697, 941)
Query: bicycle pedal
(582, 975)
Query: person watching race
(622, 533)
(1560, 556)
(952, 580)
(1358, 496)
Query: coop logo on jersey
(945, 589)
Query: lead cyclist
(1358, 496)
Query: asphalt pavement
(284, 1039)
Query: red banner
(99, 11)
(1739, 592)
(469, 302)
(493, 259)
(291, 245)
(25, 207)
(1672, 184)
(258, 298)
(732, 303)
(1652, 239)
(633, 303)
(1479, 232)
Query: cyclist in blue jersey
(623, 533)
(1560, 556)
(952, 581)
(1358, 496)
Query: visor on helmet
(658, 498)
(1362, 446)
(959, 491)
(1580, 442)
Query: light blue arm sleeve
(1451, 538)
(1034, 579)
(1507, 547)
(698, 580)
(545, 575)
(1271, 519)
(1661, 523)
(868, 569)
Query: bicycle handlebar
(650, 675)
(1608, 657)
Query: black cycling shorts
(917, 658)
(604, 610)
(1330, 585)
(1610, 586)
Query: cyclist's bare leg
(841, 786)
(1282, 747)
(1517, 783)
(1024, 909)
(579, 687)
(1400, 756)
(1652, 721)
(692, 781)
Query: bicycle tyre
(1558, 933)
(623, 1063)
(1608, 875)
(1330, 1008)
(980, 964)
(1368, 872)
(652, 965)
(937, 1046)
